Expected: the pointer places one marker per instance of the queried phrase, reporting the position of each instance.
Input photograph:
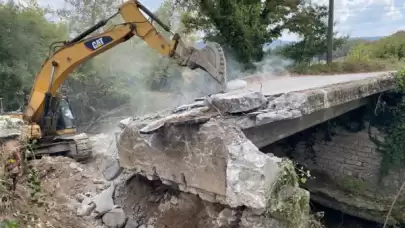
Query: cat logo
(97, 43)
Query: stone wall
(347, 154)
(346, 171)
(352, 160)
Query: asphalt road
(284, 84)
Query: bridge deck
(210, 147)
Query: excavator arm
(62, 62)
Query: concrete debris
(187, 115)
(236, 101)
(76, 166)
(270, 117)
(289, 101)
(112, 170)
(98, 181)
(131, 223)
(115, 218)
(80, 197)
(182, 108)
(123, 123)
(85, 209)
(104, 201)
(227, 218)
(249, 173)
(10, 127)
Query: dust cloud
(135, 64)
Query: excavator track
(77, 147)
(83, 148)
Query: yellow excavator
(48, 117)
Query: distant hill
(370, 38)
(278, 42)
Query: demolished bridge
(211, 147)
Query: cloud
(359, 18)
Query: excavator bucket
(212, 60)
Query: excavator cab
(66, 120)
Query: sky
(356, 18)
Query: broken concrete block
(115, 218)
(104, 201)
(186, 107)
(250, 175)
(213, 159)
(270, 117)
(112, 170)
(173, 118)
(236, 101)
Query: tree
(245, 26)
(311, 25)
(24, 41)
(83, 14)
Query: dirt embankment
(68, 188)
(46, 196)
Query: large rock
(112, 170)
(237, 101)
(104, 201)
(115, 218)
(85, 209)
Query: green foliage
(24, 38)
(353, 185)
(389, 118)
(386, 48)
(286, 201)
(34, 184)
(345, 48)
(354, 56)
(81, 15)
(8, 224)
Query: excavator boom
(57, 67)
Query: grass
(350, 66)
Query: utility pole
(1, 105)
(330, 32)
